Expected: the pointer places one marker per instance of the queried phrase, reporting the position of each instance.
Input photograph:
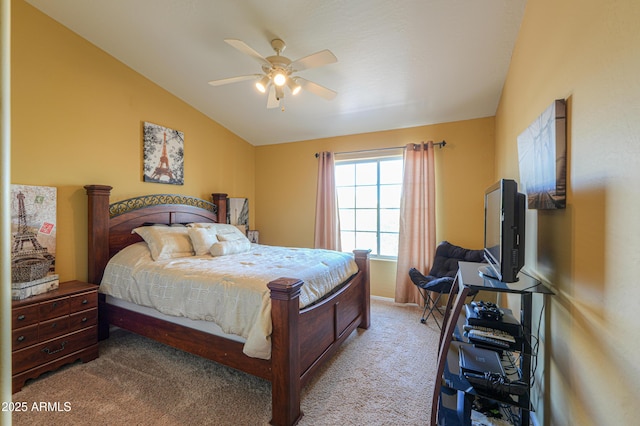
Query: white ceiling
(401, 63)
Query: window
(369, 204)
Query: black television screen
(504, 230)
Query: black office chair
(441, 276)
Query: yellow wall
(587, 52)
(77, 120)
(286, 185)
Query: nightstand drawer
(83, 319)
(53, 328)
(83, 301)
(24, 337)
(24, 316)
(41, 353)
(54, 308)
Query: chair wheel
(424, 321)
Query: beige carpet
(381, 376)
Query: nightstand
(53, 329)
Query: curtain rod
(440, 144)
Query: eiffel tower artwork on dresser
(163, 155)
(33, 230)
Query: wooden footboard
(302, 340)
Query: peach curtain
(327, 229)
(416, 243)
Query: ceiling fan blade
(234, 79)
(316, 89)
(318, 59)
(244, 48)
(272, 100)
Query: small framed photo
(254, 236)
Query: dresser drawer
(54, 308)
(53, 328)
(83, 319)
(24, 316)
(25, 336)
(83, 301)
(50, 350)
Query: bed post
(285, 351)
(220, 200)
(362, 260)
(98, 229)
(98, 245)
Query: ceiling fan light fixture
(280, 78)
(293, 86)
(261, 85)
(278, 71)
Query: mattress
(230, 291)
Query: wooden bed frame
(302, 339)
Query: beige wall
(77, 120)
(286, 185)
(587, 52)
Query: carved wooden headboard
(110, 225)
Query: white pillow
(221, 229)
(166, 242)
(223, 248)
(202, 239)
(231, 236)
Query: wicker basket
(29, 269)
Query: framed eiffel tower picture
(33, 232)
(163, 155)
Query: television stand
(453, 392)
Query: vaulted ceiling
(401, 63)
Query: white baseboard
(386, 299)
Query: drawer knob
(54, 325)
(50, 352)
(21, 317)
(85, 301)
(84, 319)
(20, 338)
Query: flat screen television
(504, 231)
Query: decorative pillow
(202, 239)
(166, 242)
(221, 229)
(222, 248)
(231, 236)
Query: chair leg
(431, 304)
(425, 298)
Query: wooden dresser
(53, 329)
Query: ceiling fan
(279, 71)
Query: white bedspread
(228, 290)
